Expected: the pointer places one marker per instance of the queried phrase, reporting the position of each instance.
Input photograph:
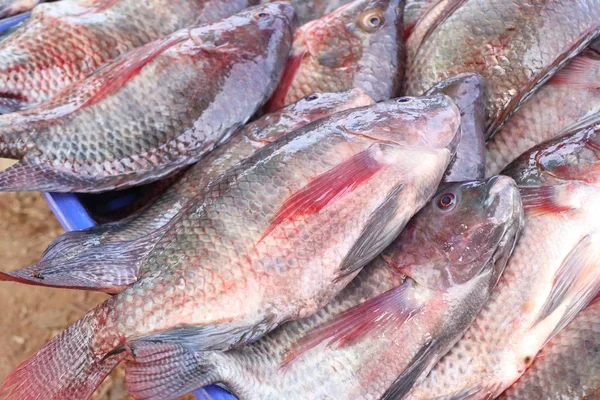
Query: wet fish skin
(357, 45)
(413, 11)
(495, 38)
(551, 275)
(571, 97)
(152, 124)
(366, 367)
(239, 262)
(309, 10)
(74, 251)
(468, 93)
(64, 42)
(568, 366)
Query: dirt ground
(32, 315)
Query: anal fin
(163, 371)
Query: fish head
(363, 41)
(466, 230)
(320, 105)
(573, 158)
(269, 26)
(421, 123)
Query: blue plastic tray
(72, 215)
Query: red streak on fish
(278, 99)
(327, 187)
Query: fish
(357, 45)
(568, 367)
(309, 10)
(552, 274)
(8, 8)
(273, 239)
(66, 262)
(570, 98)
(381, 331)
(64, 42)
(468, 93)
(515, 45)
(133, 122)
(413, 12)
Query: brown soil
(32, 315)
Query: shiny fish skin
(76, 248)
(568, 367)
(468, 93)
(558, 105)
(344, 50)
(556, 255)
(368, 366)
(161, 107)
(308, 10)
(236, 263)
(413, 11)
(66, 41)
(514, 45)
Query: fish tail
(66, 368)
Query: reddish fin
(325, 188)
(66, 368)
(277, 100)
(163, 371)
(114, 76)
(540, 200)
(581, 72)
(386, 311)
(576, 282)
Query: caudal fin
(66, 368)
(105, 267)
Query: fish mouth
(505, 202)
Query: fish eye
(312, 97)
(263, 16)
(446, 202)
(371, 21)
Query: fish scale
(515, 46)
(149, 129)
(552, 270)
(567, 367)
(273, 239)
(365, 368)
(74, 250)
(341, 51)
(66, 41)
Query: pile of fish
(368, 199)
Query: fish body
(65, 41)
(568, 367)
(414, 10)
(273, 239)
(316, 358)
(570, 97)
(551, 275)
(66, 262)
(8, 8)
(515, 45)
(358, 45)
(133, 122)
(468, 93)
